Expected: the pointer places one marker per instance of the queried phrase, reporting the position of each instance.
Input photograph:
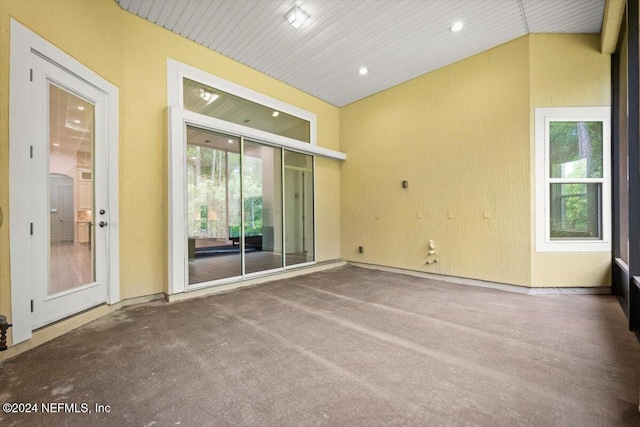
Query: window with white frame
(573, 194)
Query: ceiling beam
(613, 13)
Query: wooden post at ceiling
(613, 13)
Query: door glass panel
(71, 191)
(213, 205)
(298, 202)
(262, 188)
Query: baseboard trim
(54, 330)
(598, 290)
(321, 266)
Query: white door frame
(25, 46)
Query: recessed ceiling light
(80, 107)
(230, 141)
(457, 26)
(296, 17)
(76, 121)
(208, 96)
(275, 113)
(363, 70)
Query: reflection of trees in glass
(206, 176)
(252, 180)
(570, 215)
(575, 153)
(212, 176)
(575, 143)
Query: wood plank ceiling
(396, 40)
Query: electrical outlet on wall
(431, 257)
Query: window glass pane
(262, 186)
(575, 149)
(575, 211)
(71, 191)
(221, 105)
(213, 205)
(298, 202)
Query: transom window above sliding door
(216, 103)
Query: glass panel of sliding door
(213, 205)
(298, 204)
(262, 192)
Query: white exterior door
(68, 133)
(63, 128)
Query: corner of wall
(566, 70)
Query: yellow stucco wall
(463, 138)
(567, 71)
(460, 137)
(131, 53)
(89, 31)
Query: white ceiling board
(395, 58)
(199, 28)
(396, 40)
(187, 17)
(151, 13)
(161, 10)
(145, 7)
(564, 16)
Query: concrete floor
(346, 347)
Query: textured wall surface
(131, 53)
(463, 138)
(460, 137)
(77, 28)
(568, 71)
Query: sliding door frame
(178, 120)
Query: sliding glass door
(246, 214)
(213, 175)
(262, 193)
(299, 215)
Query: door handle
(102, 224)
